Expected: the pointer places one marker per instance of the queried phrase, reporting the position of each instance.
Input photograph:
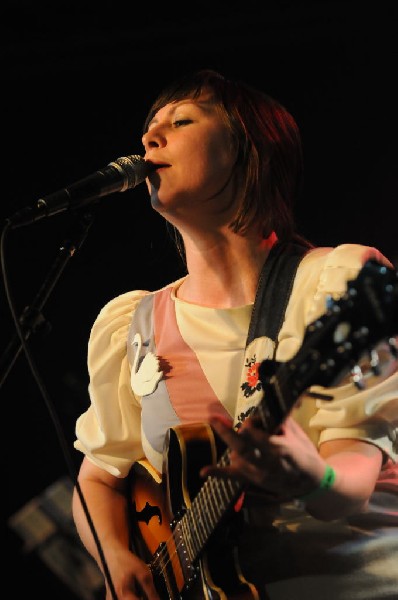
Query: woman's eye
(180, 122)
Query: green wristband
(325, 484)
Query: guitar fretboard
(207, 510)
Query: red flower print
(252, 382)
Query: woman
(227, 170)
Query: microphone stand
(32, 319)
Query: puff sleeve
(109, 432)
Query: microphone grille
(134, 168)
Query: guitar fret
(218, 495)
(188, 522)
(185, 534)
(199, 525)
(212, 509)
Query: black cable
(50, 407)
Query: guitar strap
(272, 297)
(273, 290)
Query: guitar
(185, 528)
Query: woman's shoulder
(127, 302)
(325, 272)
(332, 267)
(122, 304)
(116, 315)
(346, 256)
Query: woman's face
(193, 148)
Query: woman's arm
(288, 466)
(107, 504)
(357, 465)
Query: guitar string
(164, 557)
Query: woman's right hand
(131, 577)
(106, 499)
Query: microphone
(118, 176)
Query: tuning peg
(375, 362)
(357, 377)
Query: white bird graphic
(145, 377)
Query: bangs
(188, 87)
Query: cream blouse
(109, 432)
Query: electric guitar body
(159, 503)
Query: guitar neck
(208, 509)
(217, 496)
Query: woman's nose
(153, 138)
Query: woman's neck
(223, 271)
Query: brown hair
(268, 140)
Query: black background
(77, 80)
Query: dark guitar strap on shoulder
(273, 290)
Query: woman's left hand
(285, 465)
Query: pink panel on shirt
(191, 395)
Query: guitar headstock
(334, 344)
